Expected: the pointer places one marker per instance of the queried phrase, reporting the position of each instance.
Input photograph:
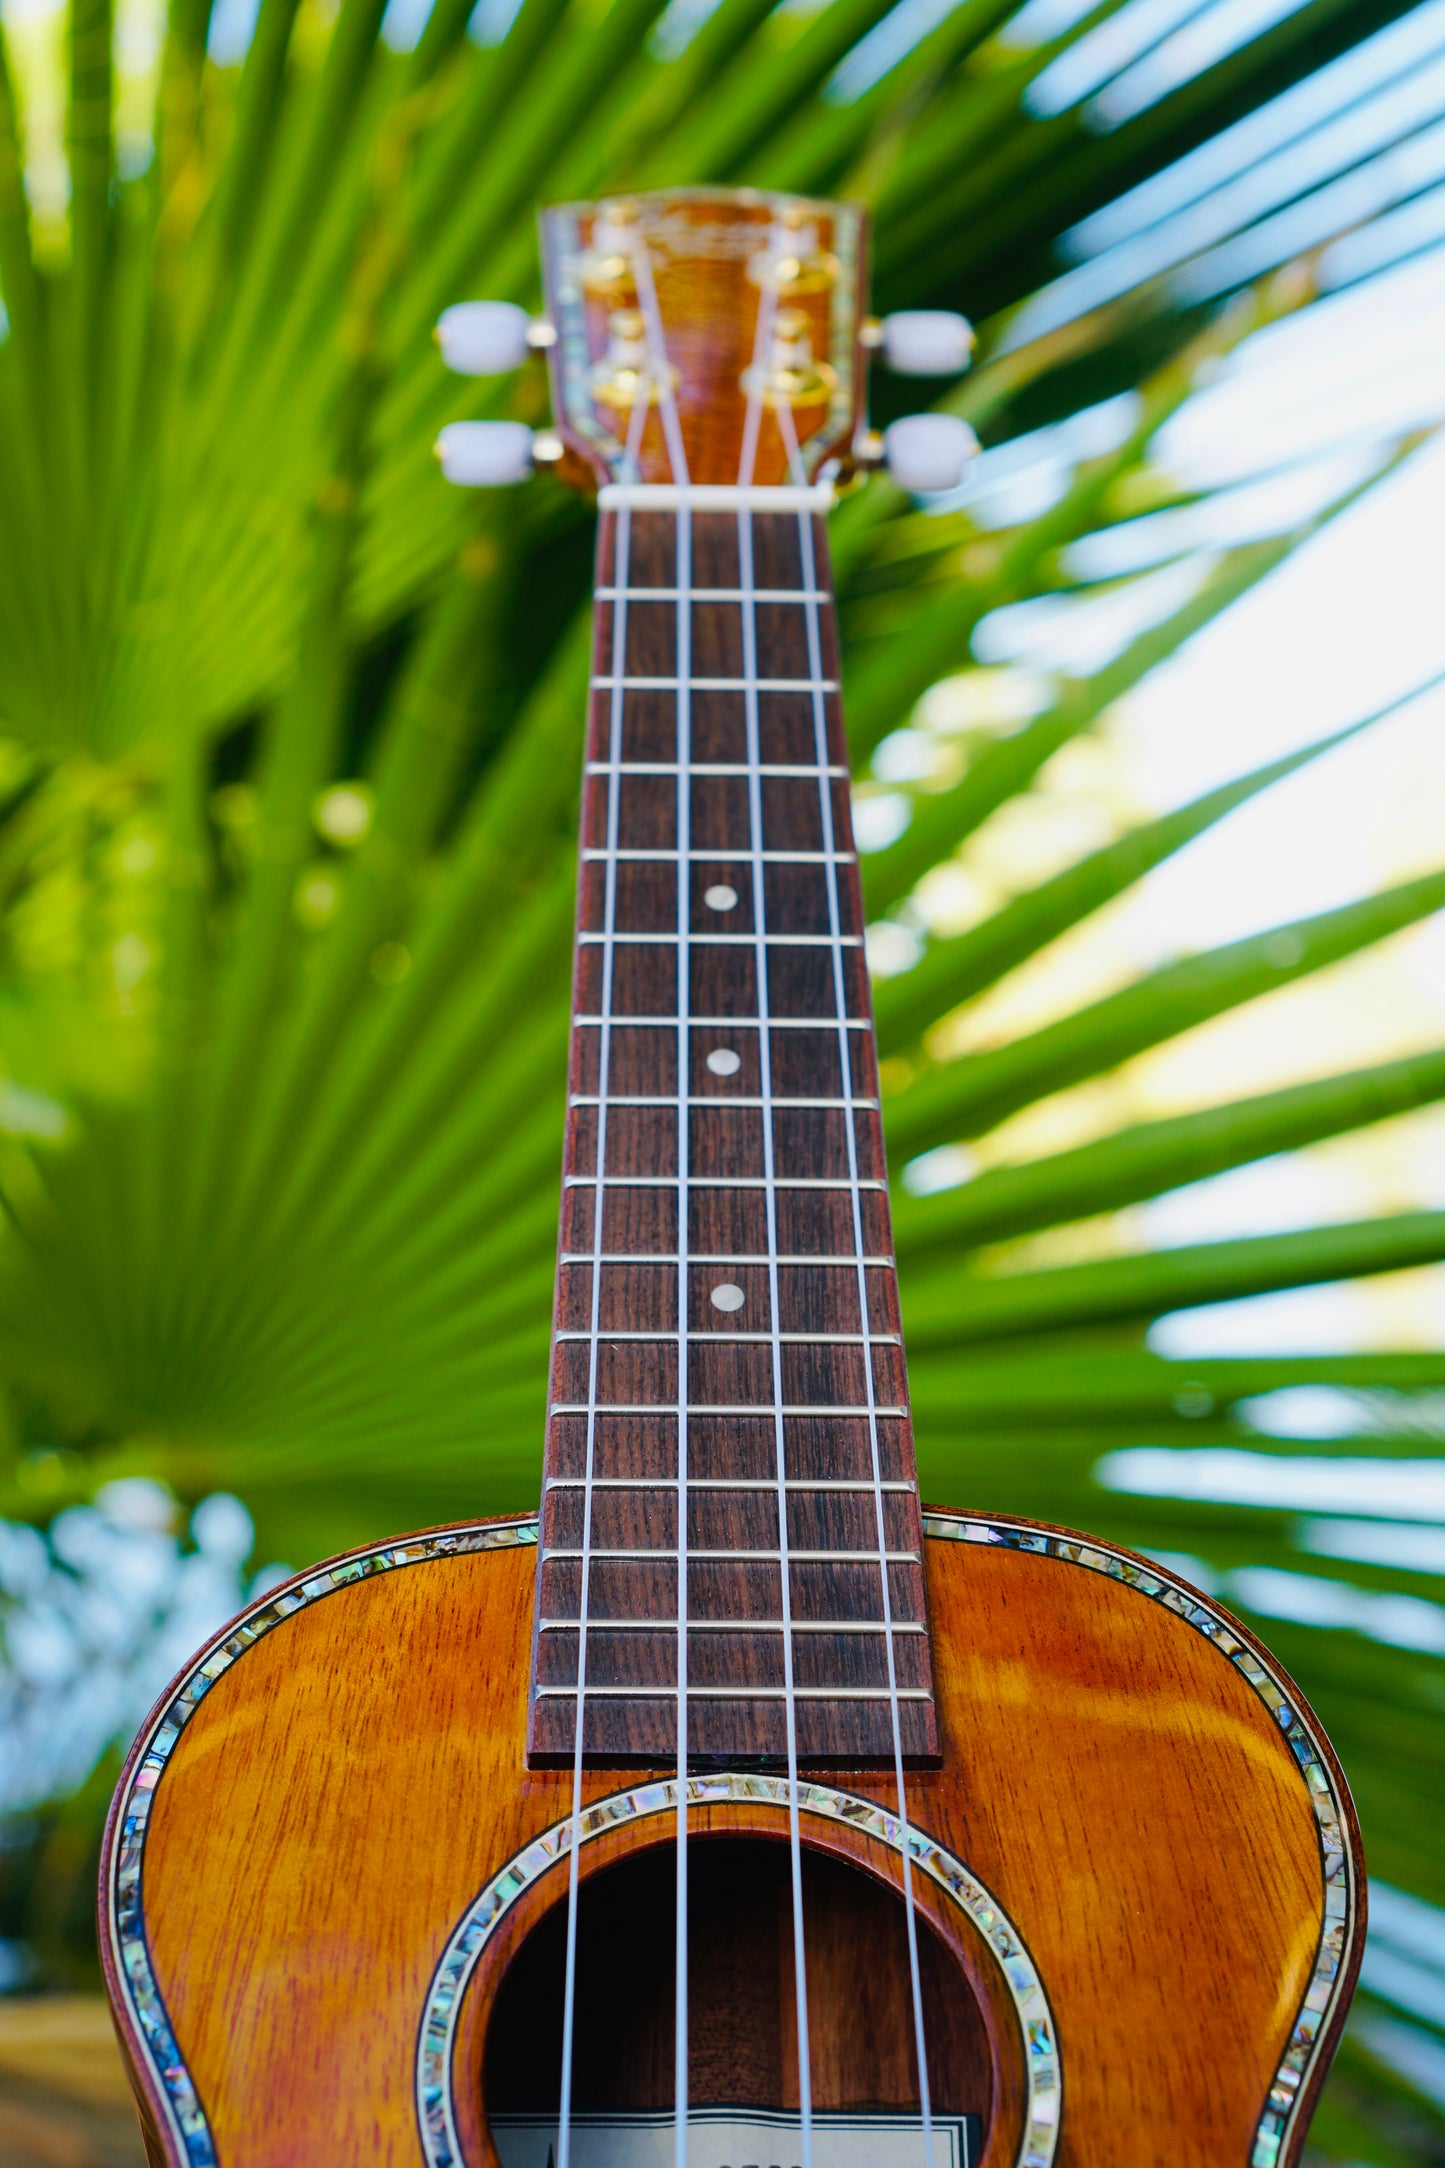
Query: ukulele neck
(730, 1515)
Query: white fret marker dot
(724, 1062)
(728, 1296)
(720, 897)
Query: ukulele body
(334, 1896)
(1137, 1864)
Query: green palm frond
(289, 771)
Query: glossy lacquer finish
(334, 1882)
(1138, 1848)
(706, 335)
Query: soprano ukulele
(883, 1837)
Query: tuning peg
(927, 452)
(487, 455)
(926, 342)
(489, 338)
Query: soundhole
(742, 2024)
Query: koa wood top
(307, 1826)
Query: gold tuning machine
(625, 373)
(793, 377)
(609, 269)
(793, 262)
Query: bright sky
(1354, 621)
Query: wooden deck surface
(64, 2101)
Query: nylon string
(621, 552)
(660, 373)
(762, 342)
(684, 989)
(820, 733)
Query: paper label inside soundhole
(740, 2138)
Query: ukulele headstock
(707, 335)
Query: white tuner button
(926, 452)
(927, 342)
(485, 455)
(484, 338)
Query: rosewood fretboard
(726, 1324)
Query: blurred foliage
(49, 1862)
(288, 783)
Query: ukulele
(735, 1810)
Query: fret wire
(734, 1693)
(713, 684)
(690, 1553)
(720, 1099)
(721, 940)
(731, 1626)
(798, 1483)
(711, 767)
(787, 1339)
(828, 1484)
(717, 1407)
(710, 594)
(617, 682)
(716, 1181)
(730, 1023)
(727, 853)
(702, 1257)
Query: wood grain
(799, 1111)
(329, 1807)
(742, 2039)
(703, 247)
(349, 1785)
